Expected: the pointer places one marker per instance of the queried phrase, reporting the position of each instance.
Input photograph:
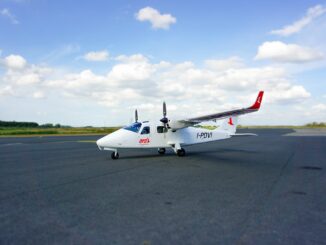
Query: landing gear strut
(181, 152)
(161, 151)
(115, 155)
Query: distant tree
(47, 125)
(18, 124)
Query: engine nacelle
(175, 124)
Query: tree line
(15, 124)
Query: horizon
(94, 63)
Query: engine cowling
(175, 124)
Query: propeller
(136, 115)
(164, 120)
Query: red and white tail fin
(230, 124)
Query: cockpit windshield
(135, 127)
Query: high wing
(221, 115)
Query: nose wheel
(115, 155)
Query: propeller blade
(164, 109)
(136, 115)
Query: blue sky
(202, 57)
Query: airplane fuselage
(148, 135)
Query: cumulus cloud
(158, 20)
(21, 79)
(97, 55)
(281, 52)
(179, 82)
(136, 81)
(319, 107)
(7, 14)
(6, 90)
(298, 25)
(38, 95)
(14, 62)
(224, 64)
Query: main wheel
(161, 151)
(181, 152)
(115, 155)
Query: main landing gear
(181, 152)
(115, 155)
(178, 150)
(161, 151)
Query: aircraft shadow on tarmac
(204, 153)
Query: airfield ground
(269, 189)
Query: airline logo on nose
(144, 141)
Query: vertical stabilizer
(230, 124)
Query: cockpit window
(135, 127)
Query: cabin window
(145, 130)
(161, 129)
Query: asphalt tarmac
(269, 189)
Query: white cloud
(28, 78)
(224, 64)
(285, 92)
(132, 69)
(76, 81)
(97, 56)
(14, 62)
(6, 13)
(7, 90)
(298, 25)
(26, 74)
(136, 81)
(38, 95)
(319, 107)
(281, 52)
(158, 21)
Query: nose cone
(113, 140)
(106, 142)
(100, 143)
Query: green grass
(17, 131)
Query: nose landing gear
(115, 155)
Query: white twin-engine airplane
(174, 133)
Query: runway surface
(269, 189)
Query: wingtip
(258, 101)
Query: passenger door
(145, 136)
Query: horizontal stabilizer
(244, 134)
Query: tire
(181, 152)
(161, 151)
(115, 156)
